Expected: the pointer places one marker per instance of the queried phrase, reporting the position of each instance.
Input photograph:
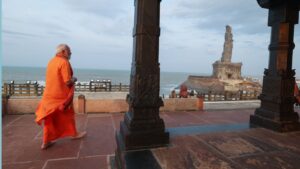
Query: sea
(168, 80)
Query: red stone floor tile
(296, 135)
(235, 144)
(11, 149)
(14, 139)
(9, 119)
(117, 118)
(81, 122)
(92, 115)
(182, 119)
(169, 122)
(177, 119)
(216, 120)
(277, 160)
(100, 137)
(226, 112)
(24, 165)
(13, 132)
(25, 120)
(24, 150)
(284, 141)
(63, 148)
(237, 116)
(187, 152)
(98, 162)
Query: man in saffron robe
(56, 107)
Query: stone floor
(201, 139)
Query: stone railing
(224, 96)
(34, 89)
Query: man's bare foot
(47, 145)
(80, 135)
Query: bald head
(64, 49)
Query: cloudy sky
(100, 33)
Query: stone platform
(199, 139)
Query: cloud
(244, 16)
(100, 33)
(18, 34)
(110, 9)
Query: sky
(99, 33)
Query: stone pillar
(142, 127)
(200, 103)
(277, 100)
(81, 104)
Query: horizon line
(191, 73)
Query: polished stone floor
(200, 139)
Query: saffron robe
(55, 108)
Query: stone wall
(29, 105)
(226, 71)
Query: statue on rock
(228, 45)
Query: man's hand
(72, 81)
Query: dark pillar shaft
(277, 99)
(142, 127)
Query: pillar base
(129, 140)
(134, 159)
(275, 125)
(134, 143)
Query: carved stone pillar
(277, 100)
(142, 127)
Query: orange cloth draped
(56, 108)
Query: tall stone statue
(228, 45)
(225, 69)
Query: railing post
(241, 95)
(255, 94)
(209, 96)
(12, 88)
(90, 86)
(225, 95)
(20, 88)
(215, 96)
(81, 104)
(27, 89)
(42, 90)
(36, 89)
(5, 92)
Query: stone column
(142, 127)
(277, 100)
(81, 104)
